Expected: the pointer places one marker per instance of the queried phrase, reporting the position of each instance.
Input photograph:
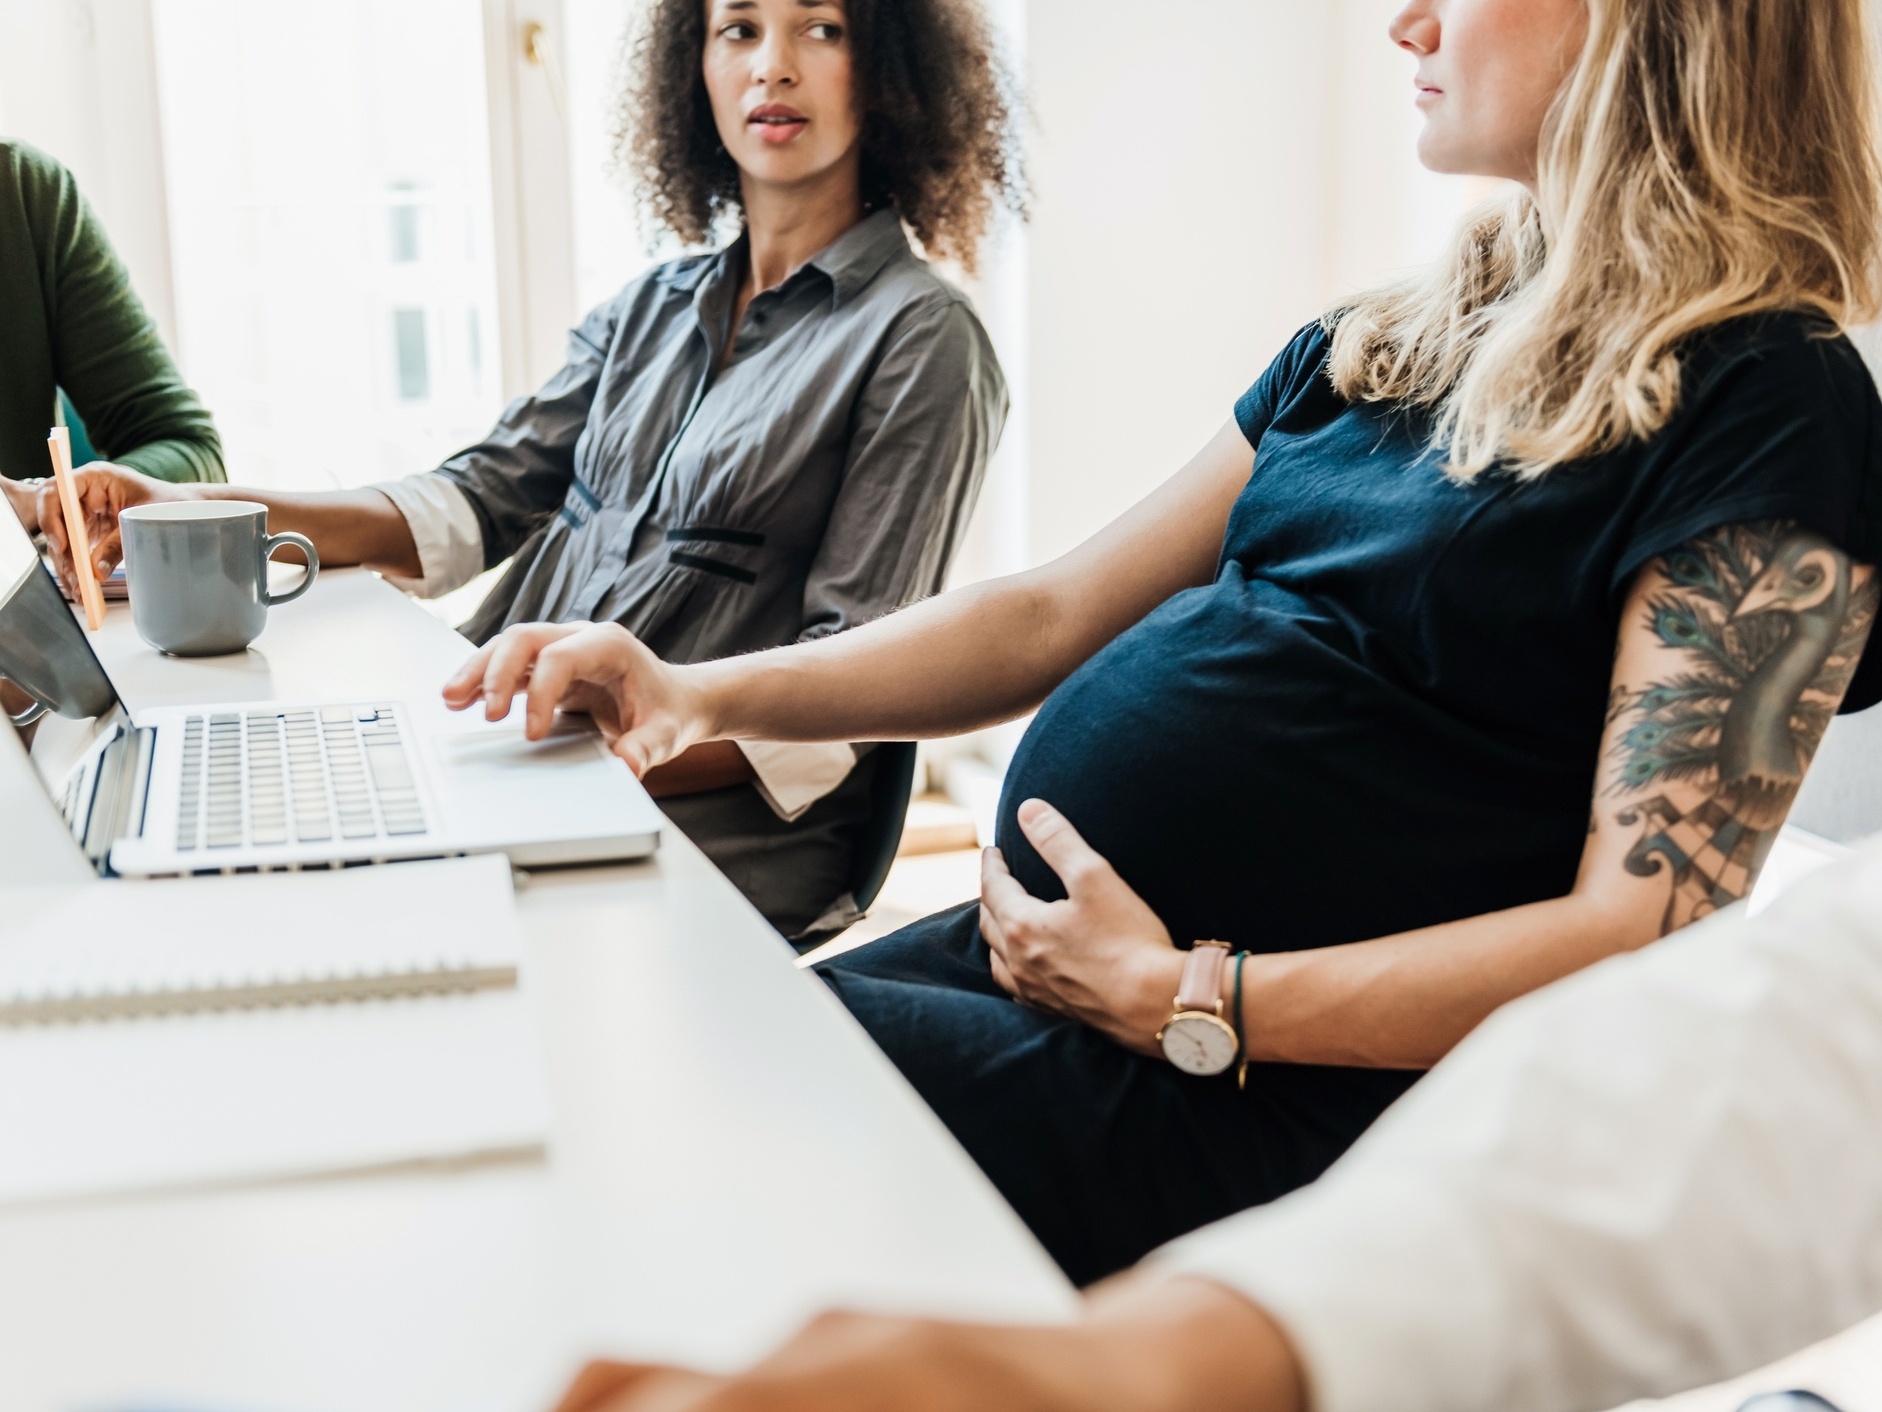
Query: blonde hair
(1706, 159)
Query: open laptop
(260, 785)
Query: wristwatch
(1196, 1038)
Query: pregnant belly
(1257, 785)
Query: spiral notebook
(185, 1033)
(126, 949)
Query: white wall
(77, 79)
(1210, 174)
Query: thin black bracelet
(1241, 1040)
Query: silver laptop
(260, 785)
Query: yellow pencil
(77, 540)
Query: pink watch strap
(1201, 986)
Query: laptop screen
(43, 650)
(45, 654)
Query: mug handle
(31, 713)
(296, 541)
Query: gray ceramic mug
(198, 573)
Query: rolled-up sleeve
(445, 531)
(925, 427)
(520, 474)
(791, 776)
(1656, 1174)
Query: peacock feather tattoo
(1771, 622)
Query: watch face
(1199, 1043)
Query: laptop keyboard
(268, 779)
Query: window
(328, 181)
(414, 358)
(404, 213)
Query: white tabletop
(729, 1153)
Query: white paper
(122, 936)
(129, 1105)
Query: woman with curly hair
(765, 444)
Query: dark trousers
(1105, 1154)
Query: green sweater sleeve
(94, 338)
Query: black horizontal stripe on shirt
(708, 534)
(711, 566)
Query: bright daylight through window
(329, 194)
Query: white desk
(730, 1153)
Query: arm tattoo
(1771, 625)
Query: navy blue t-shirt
(1385, 712)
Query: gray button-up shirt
(824, 477)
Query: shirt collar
(686, 273)
(858, 255)
(849, 262)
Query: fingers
(559, 667)
(512, 665)
(99, 500)
(551, 663)
(1012, 921)
(499, 670)
(996, 956)
(993, 934)
(507, 669)
(107, 552)
(1079, 866)
(98, 506)
(52, 525)
(634, 1387)
(598, 654)
(466, 687)
(599, 1382)
(1002, 895)
(597, 667)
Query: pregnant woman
(1492, 636)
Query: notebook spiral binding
(23, 1010)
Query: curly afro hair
(940, 120)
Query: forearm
(962, 660)
(1403, 1002)
(346, 526)
(954, 663)
(1188, 1344)
(1101, 955)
